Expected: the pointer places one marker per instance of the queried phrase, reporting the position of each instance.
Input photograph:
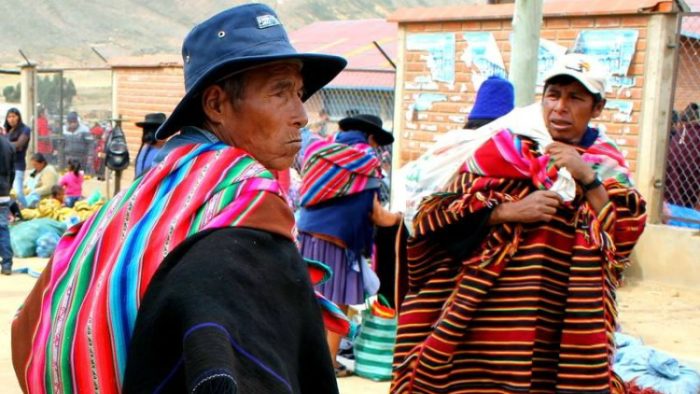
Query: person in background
(494, 99)
(58, 193)
(72, 182)
(78, 140)
(18, 134)
(336, 222)
(97, 132)
(41, 180)
(512, 273)
(43, 131)
(7, 175)
(201, 288)
(150, 146)
(74, 126)
(320, 127)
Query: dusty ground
(663, 316)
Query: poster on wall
(547, 55)
(441, 53)
(623, 110)
(612, 47)
(483, 57)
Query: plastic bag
(24, 235)
(370, 280)
(374, 346)
(46, 244)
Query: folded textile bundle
(432, 171)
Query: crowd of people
(203, 276)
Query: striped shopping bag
(374, 345)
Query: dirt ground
(664, 316)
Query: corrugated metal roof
(353, 79)
(550, 9)
(351, 39)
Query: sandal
(341, 371)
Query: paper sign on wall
(483, 56)
(441, 53)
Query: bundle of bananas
(53, 209)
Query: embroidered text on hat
(265, 21)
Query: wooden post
(527, 21)
(28, 99)
(659, 67)
(399, 119)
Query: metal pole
(527, 22)
(117, 181)
(386, 56)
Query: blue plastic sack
(652, 369)
(24, 235)
(46, 244)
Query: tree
(12, 94)
(48, 90)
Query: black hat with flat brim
(154, 119)
(236, 40)
(369, 124)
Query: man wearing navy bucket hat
(191, 280)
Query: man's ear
(213, 100)
(598, 108)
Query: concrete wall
(667, 254)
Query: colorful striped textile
(334, 170)
(73, 332)
(532, 308)
(509, 155)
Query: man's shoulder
(234, 249)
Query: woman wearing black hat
(340, 186)
(150, 146)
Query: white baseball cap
(585, 69)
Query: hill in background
(62, 33)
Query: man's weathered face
(567, 110)
(266, 121)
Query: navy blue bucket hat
(239, 39)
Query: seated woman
(40, 181)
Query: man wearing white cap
(510, 286)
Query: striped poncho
(528, 308)
(73, 332)
(333, 170)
